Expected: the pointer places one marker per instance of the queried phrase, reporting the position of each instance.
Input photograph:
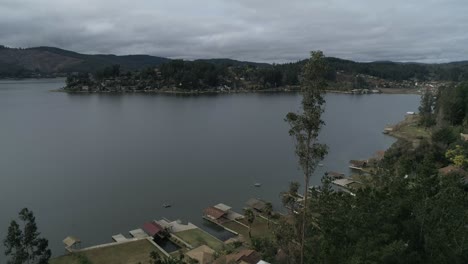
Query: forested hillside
(410, 207)
(50, 61)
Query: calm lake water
(97, 165)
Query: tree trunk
(304, 211)
(304, 220)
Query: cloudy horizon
(252, 30)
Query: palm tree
(289, 198)
(268, 211)
(250, 216)
(294, 188)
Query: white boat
(257, 184)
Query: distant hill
(49, 60)
(16, 62)
(231, 62)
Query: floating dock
(119, 238)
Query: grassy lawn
(131, 253)
(259, 228)
(197, 237)
(410, 130)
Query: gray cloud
(256, 30)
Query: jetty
(334, 175)
(358, 164)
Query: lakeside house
(451, 169)
(334, 175)
(221, 213)
(345, 182)
(454, 169)
(154, 230)
(71, 243)
(168, 238)
(388, 130)
(256, 204)
(202, 254)
(464, 137)
(347, 185)
(214, 214)
(246, 256)
(358, 164)
(379, 155)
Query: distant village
(235, 81)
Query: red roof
(450, 169)
(152, 228)
(213, 212)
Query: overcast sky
(255, 30)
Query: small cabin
(256, 204)
(358, 164)
(334, 175)
(464, 137)
(214, 214)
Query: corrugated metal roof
(70, 241)
(223, 207)
(256, 204)
(152, 228)
(213, 212)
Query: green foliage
(250, 217)
(453, 105)
(294, 188)
(79, 79)
(407, 213)
(268, 211)
(192, 75)
(360, 83)
(82, 259)
(157, 259)
(417, 219)
(289, 198)
(23, 244)
(458, 155)
(426, 109)
(108, 72)
(266, 246)
(305, 126)
(445, 135)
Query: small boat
(320, 164)
(257, 184)
(166, 205)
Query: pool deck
(176, 226)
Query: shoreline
(212, 92)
